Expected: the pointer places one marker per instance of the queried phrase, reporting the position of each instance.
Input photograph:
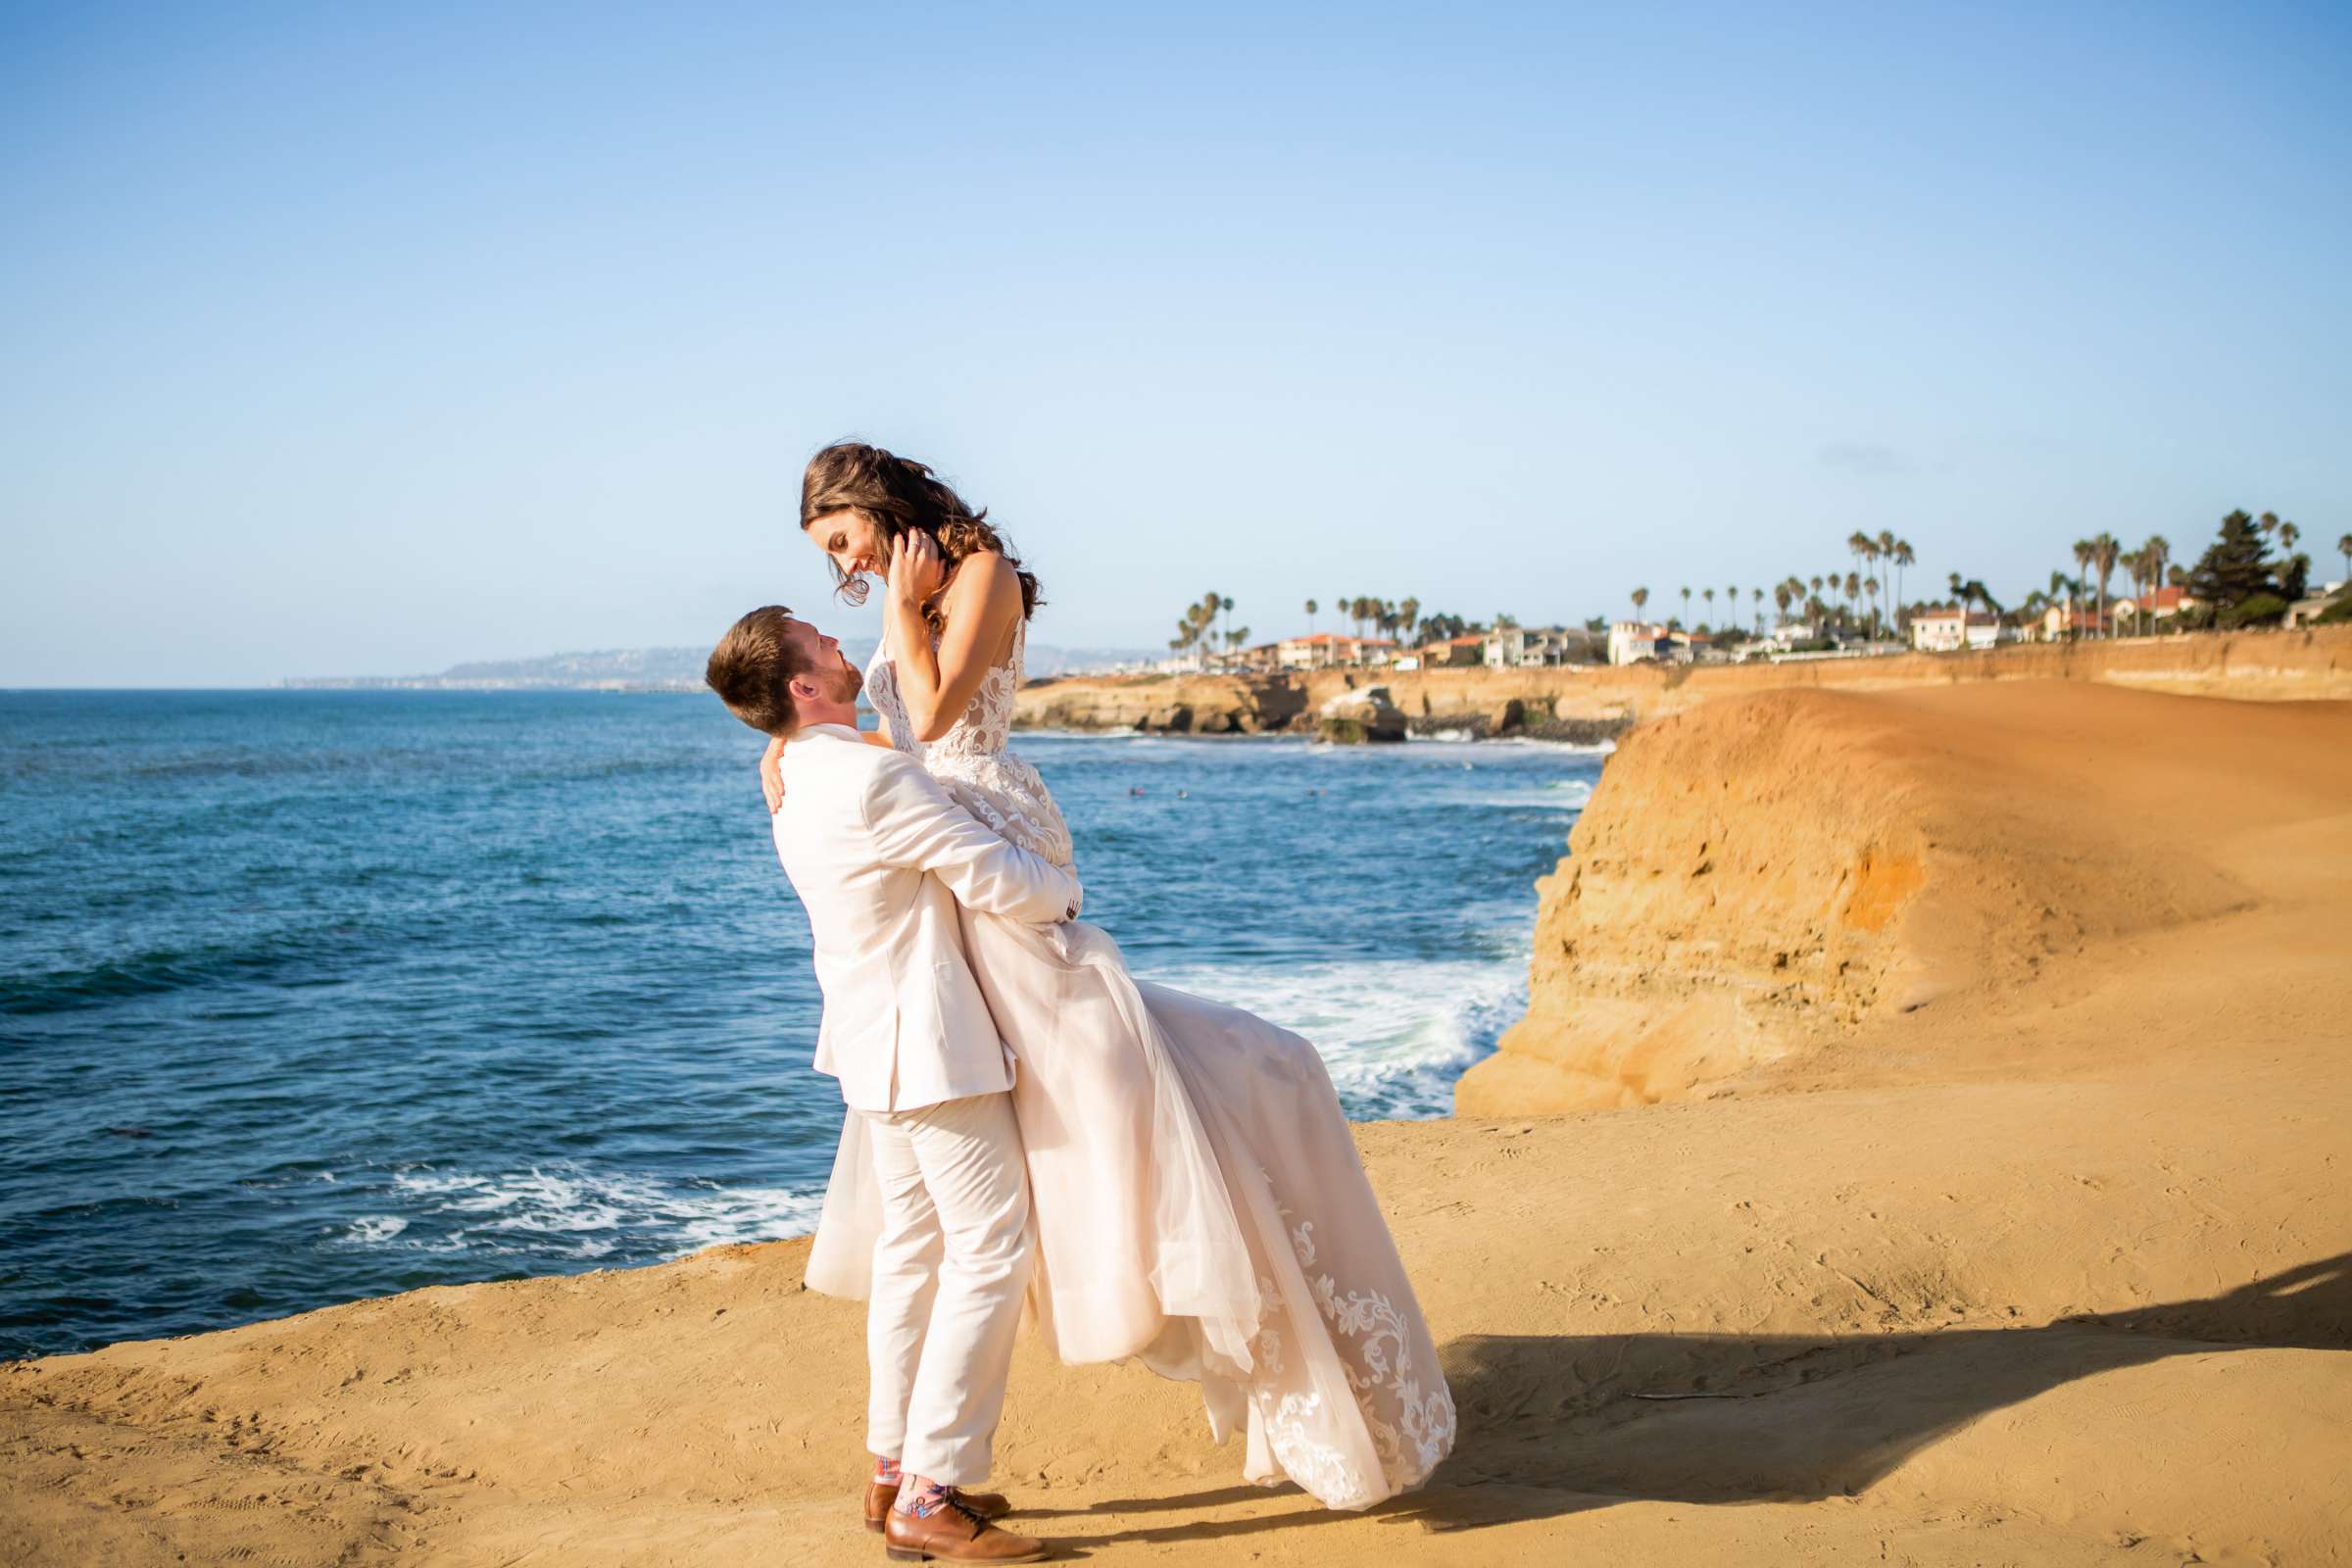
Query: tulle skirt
(1199, 1207)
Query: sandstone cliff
(1755, 882)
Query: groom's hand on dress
(771, 776)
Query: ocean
(307, 996)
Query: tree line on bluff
(2235, 583)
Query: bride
(1198, 1202)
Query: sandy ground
(2053, 1267)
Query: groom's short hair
(752, 668)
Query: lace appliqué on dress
(971, 760)
(1373, 1340)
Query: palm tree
(2343, 547)
(1708, 594)
(1686, 603)
(1408, 616)
(1192, 630)
(2267, 522)
(1853, 591)
(1756, 598)
(1782, 598)
(1866, 551)
(1884, 554)
(2083, 555)
(1640, 596)
(1870, 588)
(1226, 605)
(1310, 617)
(2103, 549)
(1902, 557)
(2288, 533)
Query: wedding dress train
(1199, 1202)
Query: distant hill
(653, 670)
(1049, 661)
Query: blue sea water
(313, 996)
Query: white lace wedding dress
(1198, 1202)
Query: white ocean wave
(562, 1209)
(1394, 1032)
(1560, 795)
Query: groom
(880, 856)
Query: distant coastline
(648, 670)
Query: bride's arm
(983, 601)
(771, 763)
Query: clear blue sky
(346, 339)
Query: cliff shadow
(1553, 1425)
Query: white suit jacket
(881, 856)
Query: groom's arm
(915, 824)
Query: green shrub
(2255, 609)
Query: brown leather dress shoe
(880, 1494)
(956, 1533)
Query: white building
(1945, 631)
(1631, 640)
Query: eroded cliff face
(1763, 880)
(1732, 893)
(1183, 704)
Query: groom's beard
(848, 682)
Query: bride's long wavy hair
(898, 494)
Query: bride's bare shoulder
(984, 596)
(985, 574)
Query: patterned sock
(923, 1500)
(886, 1471)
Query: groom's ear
(800, 689)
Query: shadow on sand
(1553, 1425)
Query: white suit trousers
(950, 1267)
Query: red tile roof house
(2161, 604)
(1324, 648)
(1454, 651)
(2064, 619)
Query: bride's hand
(915, 569)
(771, 776)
